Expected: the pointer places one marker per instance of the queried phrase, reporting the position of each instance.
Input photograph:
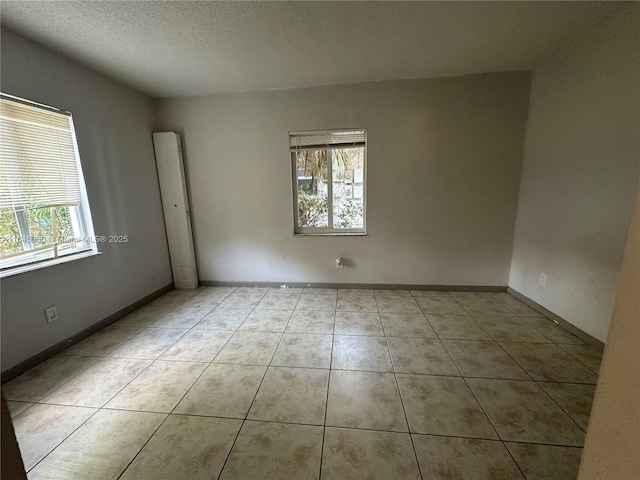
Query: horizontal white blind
(38, 165)
(324, 139)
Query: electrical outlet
(543, 279)
(51, 314)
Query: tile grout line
(153, 360)
(97, 409)
(158, 358)
(561, 407)
(531, 376)
(208, 363)
(539, 386)
(576, 358)
(475, 320)
(504, 445)
(168, 415)
(64, 439)
(13, 417)
(536, 382)
(224, 464)
(326, 404)
(500, 439)
(49, 392)
(404, 410)
(456, 365)
(358, 428)
(133, 459)
(107, 356)
(266, 370)
(515, 314)
(100, 358)
(173, 409)
(478, 401)
(550, 342)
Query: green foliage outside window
(40, 228)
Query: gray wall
(582, 159)
(612, 442)
(444, 165)
(113, 126)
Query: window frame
(330, 230)
(80, 215)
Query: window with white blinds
(329, 181)
(44, 212)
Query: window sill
(48, 263)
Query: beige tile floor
(258, 383)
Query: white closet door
(175, 205)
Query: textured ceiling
(182, 48)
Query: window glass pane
(39, 223)
(10, 241)
(312, 185)
(49, 225)
(32, 234)
(348, 187)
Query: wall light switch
(51, 314)
(543, 279)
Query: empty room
(320, 240)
